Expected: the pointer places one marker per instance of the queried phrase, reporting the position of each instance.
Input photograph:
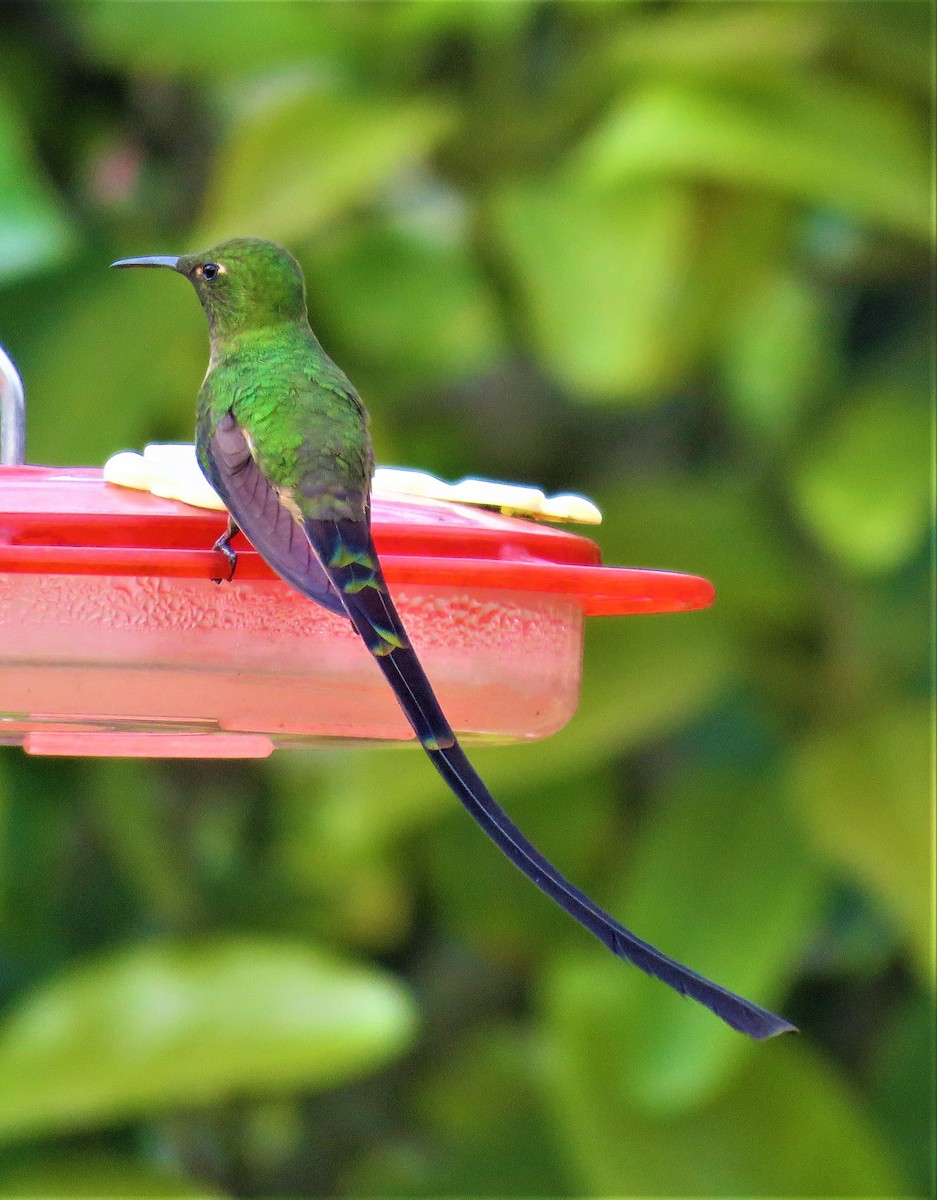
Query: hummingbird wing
(347, 555)
(255, 505)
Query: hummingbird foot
(224, 545)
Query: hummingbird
(282, 436)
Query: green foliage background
(676, 256)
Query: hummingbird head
(243, 284)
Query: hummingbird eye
(209, 270)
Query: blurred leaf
(787, 1125)
(720, 881)
(341, 884)
(410, 309)
(862, 483)
(140, 336)
(854, 938)
(132, 822)
(902, 1079)
(66, 1175)
(40, 834)
(716, 525)
(892, 43)
(487, 22)
(862, 793)
(825, 143)
(201, 38)
(34, 234)
(605, 281)
(724, 41)
(780, 354)
(890, 617)
(483, 1128)
(163, 1026)
(297, 156)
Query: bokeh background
(676, 256)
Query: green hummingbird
(283, 437)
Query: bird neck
(259, 340)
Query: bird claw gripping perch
(223, 545)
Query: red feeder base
(115, 641)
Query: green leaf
(201, 38)
(163, 1026)
(780, 353)
(33, 231)
(343, 882)
(901, 1074)
(891, 44)
(604, 280)
(862, 484)
(486, 23)
(133, 823)
(483, 1126)
(144, 336)
(96, 1175)
(723, 41)
(820, 141)
(862, 793)
(787, 1125)
(410, 307)
(717, 525)
(296, 156)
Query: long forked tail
(346, 553)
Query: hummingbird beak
(154, 260)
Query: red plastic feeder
(115, 641)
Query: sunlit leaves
(33, 231)
(202, 39)
(862, 793)
(786, 1125)
(604, 281)
(161, 1026)
(151, 361)
(726, 41)
(779, 354)
(825, 144)
(97, 1175)
(862, 482)
(302, 154)
(410, 305)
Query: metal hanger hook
(12, 414)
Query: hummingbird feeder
(116, 641)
